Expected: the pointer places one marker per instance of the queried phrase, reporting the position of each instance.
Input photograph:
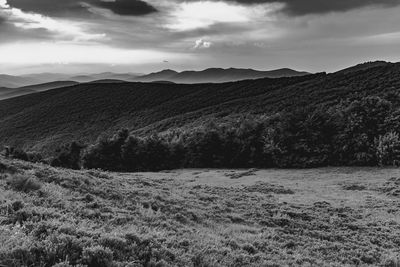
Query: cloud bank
(313, 35)
(304, 7)
(79, 8)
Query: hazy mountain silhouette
(128, 77)
(112, 81)
(10, 81)
(6, 93)
(48, 86)
(217, 75)
(213, 75)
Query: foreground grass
(324, 217)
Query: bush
(69, 156)
(97, 256)
(17, 153)
(359, 123)
(388, 149)
(106, 153)
(24, 183)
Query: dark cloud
(11, 33)
(127, 7)
(304, 7)
(66, 8)
(62, 8)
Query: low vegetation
(198, 217)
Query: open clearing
(316, 217)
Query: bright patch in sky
(59, 53)
(200, 43)
(194, 15)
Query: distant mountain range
(205, 76)
(12, 86)
(216, 75)
(10, 81)
(43, 121)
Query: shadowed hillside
(86, 111)
(10, 81)
(6, 93)
(48, 86)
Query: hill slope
(364, 66)
(48, 86)
(6, 93)
(215, 75)
(10, 81)
(86, 111)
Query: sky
(141, 36)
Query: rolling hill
(364, 66)
(216, 75)
(6, 93)
(86, 111)
(127, 77)
(45, 81)
(48, 86)
(10, 81)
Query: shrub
(145, 154)
(16, 153)
(359, 123)
(106, 153)
(69, 156)
(23, 182)
(97, 256)
(388, 149)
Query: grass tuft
(23, 183)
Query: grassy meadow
(199, 217)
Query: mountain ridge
(217, 75)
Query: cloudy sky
(149, 35)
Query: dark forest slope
(86, 111)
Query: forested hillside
(84, 112)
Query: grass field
(316, 217)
